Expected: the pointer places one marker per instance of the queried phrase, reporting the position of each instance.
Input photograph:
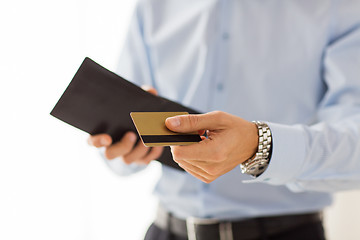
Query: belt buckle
(225, 228)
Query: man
(294, 65)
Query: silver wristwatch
(257, 164)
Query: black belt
(207, 229)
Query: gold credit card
(153, 131)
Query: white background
(52, 184)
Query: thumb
(194, 122)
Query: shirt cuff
(288, 154)
(118, 166)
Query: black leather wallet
(99, 101)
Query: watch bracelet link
(258, 163)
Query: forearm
(322, 157)
(325, 156)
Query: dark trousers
(308, 231)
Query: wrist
(253, 142)
(258, 163)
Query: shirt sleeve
(134, 66)
(134, 62)
(120, 168)
(326, 155)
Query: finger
(149, 89)
(194, 168)
(196, 122)
(137, 153)
(203, 176)
(154, 153)
(206, 150)
(99, 140)
(122, 147)
(204, 168)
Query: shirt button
(225, 36)
(220, 86)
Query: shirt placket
(219, 86)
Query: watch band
(257, 164)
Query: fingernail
(132, 137)
(174, 121)
(104, 141)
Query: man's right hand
(125, 148)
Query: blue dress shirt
(294, 64)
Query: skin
(230, 141)
(126, 148)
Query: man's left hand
(230, 141)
